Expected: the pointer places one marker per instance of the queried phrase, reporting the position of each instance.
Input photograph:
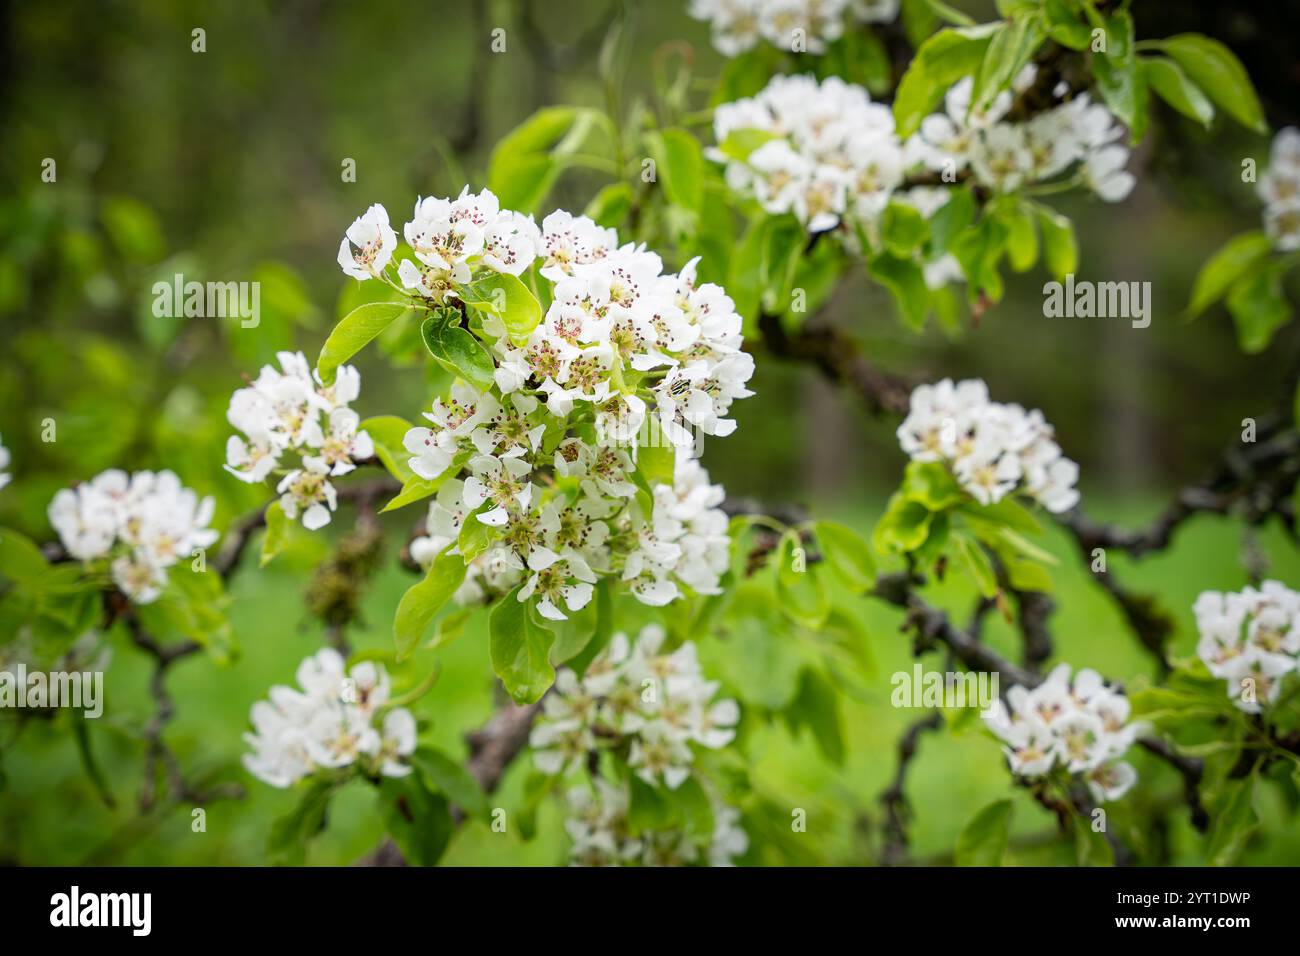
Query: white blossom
(654, 704)
(992, 449)
(145, 523)
(740, 25)
(1081, 727)
(1251, 639)
(368, 246)
(331, 721)
(289, 412)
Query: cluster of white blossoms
(636, 696)
(650, 706)
(548, 458)
(145, 522)
(598, 826)
(1003, 155)
(832, 152)
(992, 449)
(4, 463)
(290, 410)
(796, 25)
(336, 720)
(1280, 188)
(1251, 639)
(585, 535)
(1081, 726)
(831, 156)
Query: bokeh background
(225, 165)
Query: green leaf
(976, 562)
(388, 432)
(1234, 822)
(799, 589)
(931, 484)
(983, 841)
(475, 536)
(649, 808)
(456, 349)
(354, 332)
(1064, 25)
(680, 166)
(902, 228)
(905, 280)
(1119, 75)
(817, 707)
(414, 489)
(1091, 847)
(1237, 257)
(848, 555)
(1008, 512)
(1010, 48)
(1022, 234)
(1259, 308)
(506, 297)
(610, 206)
(278, 530)
(941, 61)
(1219, 74)
(287, 842)
(903, 527)
(521, 170)
(452, 780)
(521, 649)
(418, 820)
(1060, 250)
(694, 808)
(1168, 80)
(425, 599)
(573, 635)
(657, 461)
(21, 560)
(740, 143)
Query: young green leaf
(425, 599)
(457, 349)
(1219, 74)
(506, 297)
(278, 529)
(354, 332)
(983, 841)
(1169, 81)
(1237, 257)
(847, 554)
(521, 649)
(388, 432)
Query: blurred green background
(226, 165)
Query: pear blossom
(333, 720)
(740, 25)
(1251, 639)
(368, 246)
(550, 454)
(993, 450)
(4, 463)
(144, 523)
(653, 704)
(1079, 727)
(290, 411)
(826, 154)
